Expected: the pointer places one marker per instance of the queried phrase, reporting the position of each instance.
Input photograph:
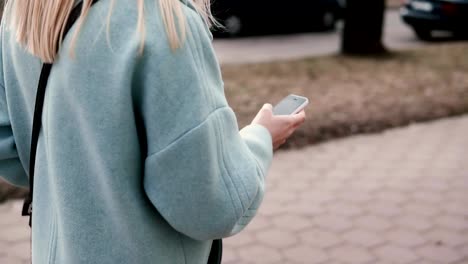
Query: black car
(424, 16)
(240, 17)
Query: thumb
(267, 107)
(265, 111)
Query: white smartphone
(290, 105)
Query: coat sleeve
(209, 183)
(203, 175)
(11, 168)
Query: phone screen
(289, 105)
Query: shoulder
(196, 50)
(198, 35)
(118, 46)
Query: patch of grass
(351, 95)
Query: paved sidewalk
(396, 197)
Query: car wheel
(233, 25)
(423, 34)
(328, 20)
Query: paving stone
(419, 208)
(456, 196)
(428, 196)
(230, 256)
(413, 163)
(5, 207)
(317, 196)
(260, 222)
(3, 249)
(452, 222)
(351, 164)
(457, 208)
(375, 173)
(16, 233)
(20, 250)
(372, 222)
(396, 254)
(276, 238)
(442, 236)
(379, 164)
(405, 176)
(350, 254)
(413, 222)
(460, 181)
(331, 185)
(355, 196)
(367, 185)
(439, 254)
(363, 238)
(344, 209)
(399, 184)
(8, 219)
(320, 238)
(17, 206)
(269, 209)
(307, 174)
(405, 238)
(445, 164)
(259, 254)
(435, 185)
(294, 186)
(339, 174)
(242, 239)
(384, 209)
(463, 251)
(392, 196)
(305, 255)
(10, 260)
(292, 222)
(333, 222)
(280, 197)
(303, 208)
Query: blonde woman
(139, 158)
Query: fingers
(293, 120)
(278, 144)
(299, 118)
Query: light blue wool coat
(140, 159)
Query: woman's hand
(281, 127)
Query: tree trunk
(362, 33)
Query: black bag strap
(37, 122)
(216, 253)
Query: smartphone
(290, 105)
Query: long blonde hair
(39, 24)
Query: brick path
(396, 197)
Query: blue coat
(140, 159)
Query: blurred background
(379, 172)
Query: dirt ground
(352, 95)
